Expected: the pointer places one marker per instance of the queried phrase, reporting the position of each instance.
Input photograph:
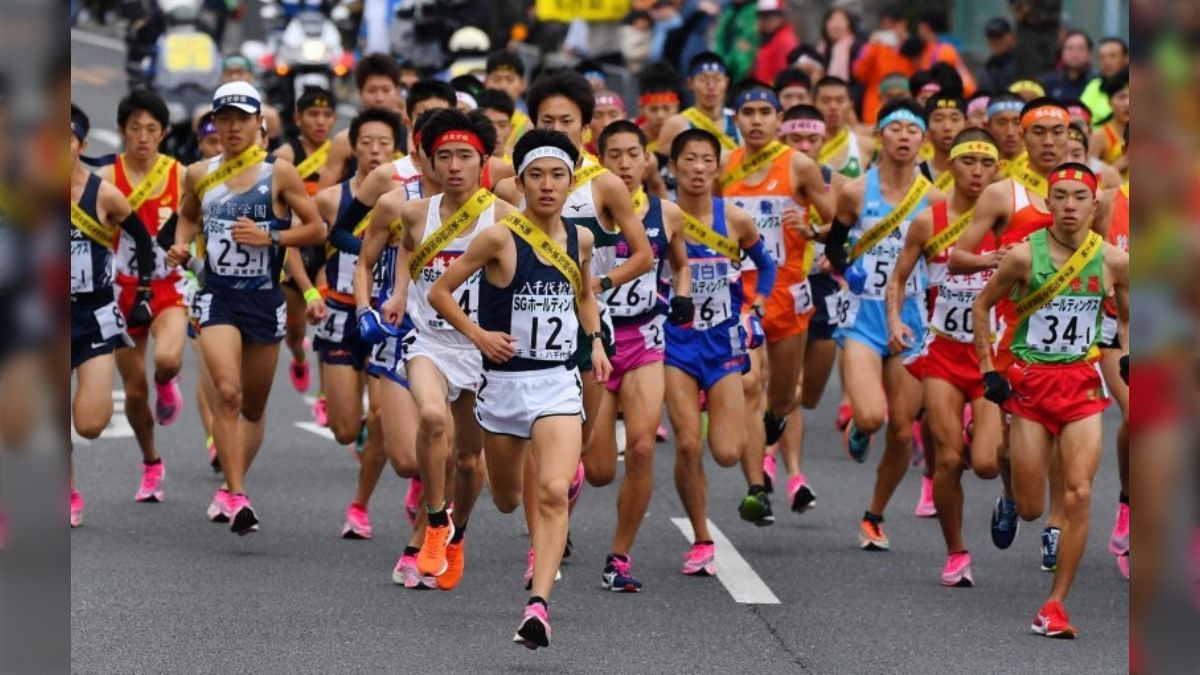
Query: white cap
(240, 95)
(770, 5)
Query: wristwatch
(605, 283)
(598, 335)
(275, 235)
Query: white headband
(545, 151)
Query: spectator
(840, 43)
(690, 38)
(1113, 56)
(881, 58)
(930, 28)
(636, 38)
(666, 17)
(1075, 69)
(807, 59)
(778, 40)
(736, 38)
(1000, 70)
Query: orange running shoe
(432, 559)
(871, 536)
(456, 560)
(1052, 621)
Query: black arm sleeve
(342, 236)
(835, 245)
(143, 247)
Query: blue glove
(856, 277)
(752, 327)
(372, 327)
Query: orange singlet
(1026, 219)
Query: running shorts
(636, 345)
(582, 359)
(1054, 395)
(260, 316)
(460, 365)
(952, 361)
(337, 340)
(96, 329)
(509, 403)
(708, 356)
(820, 324)
(165, 294)
(783, 317)
(866, 323)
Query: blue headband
(79, 129)
(596, 75)
(708, 67)
(756, 95)
(902, 115)
(1004, 106)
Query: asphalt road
(156, 588)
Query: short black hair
(311, 95)
(803, 111)
(391, 119)
(145, 100)
(504, 60)
(537, 138)
(494, 99)
(453, 119)
(620, 127)
(936, 19)
(947, 77)
(1077, 132)
(895, 104)
(1111, 85)
(943, 101)
(80, 119)
(1042, 102)
(974, 134)
(424, 90)
(891, 11)
(690, 135)
(562, 82)
(919, 79)
(703, 58)
(1075, 32)
(1113, 39)
(467, 84)
(376, 64)
(792, 77)
(830, 81)
(657, 77)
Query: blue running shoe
(1004, 522)
(857, 444)
(1050, 549)
(618, 577)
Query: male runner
(1058, 281)
(505, 71)
(709, 357)
(949, 375)
(341, 350)
(638, 313)
(443, 366)
(499, 108)
(708, 79)
(846, 150)
(535, 294)
(98, 212)
(1004, 124)
(1012, 209)
(150, 182)
(1078, 145)
(377, 77)
(1108, 142)
(609, 108)
(245, 201)
(946, 115)
(873, 213)
(658, 100)
(775, 185)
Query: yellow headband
(981, 147)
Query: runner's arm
(619, 205)
(374, 240)
(119, 211)
(412, 215)
(189, 219)
(285, 152)
(507, 190)
(374, 186)
(1120, 272)
(681, 270)
(588, 309)
(311, 231)
(335, 164)
(750, 241)
(482, 250)
(812, 184)
(991, 209)
(919, 232)
(844, 217)
(1014, 269)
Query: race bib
(952, 314)
(231, 259)
(768, 218)
(333, 327)
(127, 259)
(112, 322)
(880, 261)
(711, 296)
(802, 294)
(1065, 325)
(83, 278)
(465, 296)
(634, 298)
(545, 326)
(842, 308)
(652, 333)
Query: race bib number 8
(545, 326)
(112, 322)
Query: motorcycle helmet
(180, 11)
(469, 40)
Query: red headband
(659, 97)
(1086, 177)
(609, 99)
(459, 136)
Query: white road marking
(102, 41)
(742, 582)
(313, 428)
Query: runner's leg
(222, 348)
(755, 438)
(374, 458)
(169, 330)
(556, 449)
(92, 407)
(943, 412)
(600, 457)
(862, 373)
(468, 469)
(131, 364)
(641, 396)
(258, 374)
(904, 400)
(1029, 448)
(1079, 446)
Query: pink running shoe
(1118, 543)
(534, 630)
(358, 524)
(77, 505)
(661, 434)
(957, 571)
(151, 488)
(412, 500)
(219, 509)
(168, 402)
(406, 574)
(1123, 565)
(800, 495)
(528, 577)
(844, 415)
(925, 506)
(320, 411)
(300, 372)
(918, 446)
(244, 519)
(700, 561)
(576, 485)
(770, 467)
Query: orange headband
(658, 97)
(1053, 112)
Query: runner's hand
(601, 366)
(995, 388)
(316, 312)
(141, 314)
(682, 312)
(900, 338)
(372, 329)
(994, 258)
(496, 347)
(178, 255)
(390, 310)
(246, 231)
(797, 220)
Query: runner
(529, 314)
(505, 71)
(244, 201)
(377, 77)
(1078, 145)
(793, 88)
(638, 314)
(658, 100)
(874, 212)
(342, 352)
(441, 363)
(1004, 124)
(708, 79)
(947, 116)
(1107, 141)
(499, 108)
(776, 185)
(1011, 210)
(150, 182)
(950, 378)
(1052, 389)
(609, 108)
(98, 211)
(846, 150)
(705, 362)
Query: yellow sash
(230, 168)
(945, 181)
(1009, 166)
(585, 174)
(639, 199)
(1027, 177)
(449, 231)
(702, 234)
(97, 232)
(315, 161)
(834, 146)
(926, 151)
(946, 238)
(1071, 269)
(543, 244)
(702, 121)
(150, 181)
(751, 165)
(517, 123)
(884, 227)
